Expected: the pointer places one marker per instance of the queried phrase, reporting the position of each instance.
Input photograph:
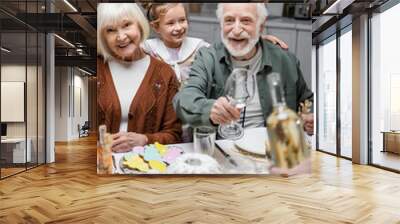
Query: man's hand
(222, 112)
(308, 120)
(275, 40)
(125, 141)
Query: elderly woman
(135, 90)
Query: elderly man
(201, 101)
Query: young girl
(170, 22)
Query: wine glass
(239, 90)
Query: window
(385, 88)
(327, 96)
(22, 74)
(346, 74)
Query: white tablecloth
(245, 164)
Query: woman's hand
(275, 40)
(125, 141)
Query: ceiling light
(5, 50)
(70, 5)
(65, 41)
(84, 71)
(337, 7)
(79, 51)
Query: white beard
(242, 52)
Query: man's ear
(263, 24)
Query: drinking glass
(239, 90)
(204, 140)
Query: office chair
(84, 130)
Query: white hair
(111, 13)
(262, 12)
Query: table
(15, 148)
(246, 164)
(391, 141)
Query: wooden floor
(10, 171)
(69, 191)
(386, 159)
(5, 172)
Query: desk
(246, 164)
(15, 148)
(391, 141)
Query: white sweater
(127, 77)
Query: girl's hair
(154, 11)
(111, 13)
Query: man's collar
(222, 53)
(224, 56)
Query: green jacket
(211, 68)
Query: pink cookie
(138, 149)
(172, 154)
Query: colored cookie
(175, 148)
(158, 165)
(151, 154)
(138, 149)
(136, 162)
(149, 147)
(162, 149)
(129, 156)
(172, 154)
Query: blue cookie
(151, 153)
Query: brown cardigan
(151, 111)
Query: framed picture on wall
(12, 101)
(156, 98)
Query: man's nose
(237, 28)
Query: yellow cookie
(143, 167)
(136, 162)
(162, 149)
(132, 159)
(158, 165)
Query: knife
(114, 163)
(226, 155)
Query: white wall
(71, 93)
(61, 103)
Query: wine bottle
(104, 153)
(287, 147)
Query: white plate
(253, 140)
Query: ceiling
(23, 23)
(338, 14)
